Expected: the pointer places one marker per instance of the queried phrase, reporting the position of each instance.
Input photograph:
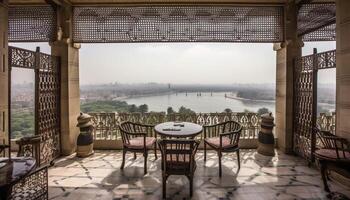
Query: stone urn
(266, 141)
(85, 141)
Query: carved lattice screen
(47, 97)
(32, 24)
(316, 22)
(173, 24)
(303, 105)
(48, 106)
(305, 100)
(178, 24)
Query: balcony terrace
(260, 177)
(53, 171)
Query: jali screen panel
(316, 22)
(178, 24)
(305, 101)
(48, 106)
(47, 97)
(303, 105)
(32, 24)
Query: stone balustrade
(107, 134)
(106, 124)
(327, 121)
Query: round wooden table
(178, 129)
(12, 171)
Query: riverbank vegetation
(22, 123)
(253, 94)
(112, 106)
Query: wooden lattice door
(47, 97)
(48, 106)
(304, 89)
(305, 100)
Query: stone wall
(3, 72)
(343, 69)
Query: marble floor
(260, 177)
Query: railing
(106, 124)
(326, 122)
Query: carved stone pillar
(4, 93)
(70, 93)
(343, 69)
(286, 52)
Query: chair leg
(155, 151)
(219, 155)
(135, 156)
(238, 159)
(123, 162)
(145, 155)
(191, 185)
(205, 152)
(164, 186)
(324, 175)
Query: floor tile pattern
(260, 177)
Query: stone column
(286, 52)
(343, 69)
(4, 93)
(70, 94)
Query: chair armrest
(138, 133)
(338, 140)
(230, 133)
(144, 125)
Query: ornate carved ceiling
(163, 23)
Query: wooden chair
(178, 158)
(138, 138)
(333, 154)
(29, 147)
(222, 137)
(35, 185)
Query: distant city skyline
(177, 63)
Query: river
(206, 103)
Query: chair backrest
(29, 147)
(225, 127)
(129, 130)
(327, 140)
(178, 155)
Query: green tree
(170, 110)
(184, 110)
(105, 106)
(133, 108)
(143, 108)
(263, 110)
(228, 110)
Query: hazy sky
(207, 63)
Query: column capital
(65, 41)
(278, 46)
(76, 45)
(297, 43)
